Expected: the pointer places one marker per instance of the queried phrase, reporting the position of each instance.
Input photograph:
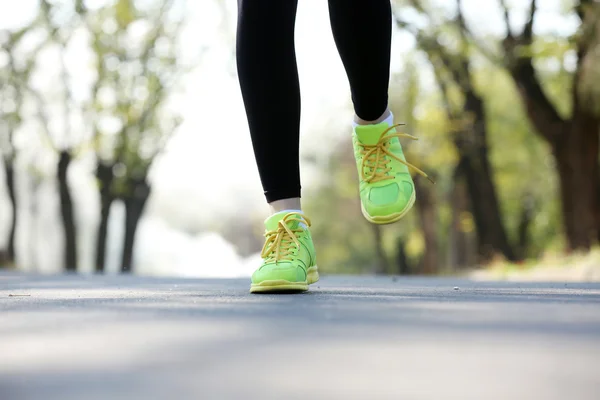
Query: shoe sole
(389, 219)
(283, 286)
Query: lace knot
(375, 158)
(281, 242)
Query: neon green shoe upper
(289, 257)
(387, 191)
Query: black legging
(266, 63)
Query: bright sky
(208, 172)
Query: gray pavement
(92, 337)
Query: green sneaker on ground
(289, 258)
(387, 191)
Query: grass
(574, 267)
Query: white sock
(389, 120)
(290, 211)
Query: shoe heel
(312, 275)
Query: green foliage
(343, 238)
(137, 64)
(588, 38)
(523, 163)
(14, 81)
(125, 13)
(524, 175)
(346, 242)
(555, 62)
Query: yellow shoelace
(280, 242)
(374, 157)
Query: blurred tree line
(510, 131)
(121, 118)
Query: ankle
(285, 204)
(386, 114)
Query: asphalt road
(84, 338)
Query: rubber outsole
(389, 219)
(283, 286)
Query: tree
(573, 138)
(10, 104)
(68, 142)
(138, 74)
(465, 110)
(461, 247)
(405, 99)
(14, 80)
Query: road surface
(84, 338)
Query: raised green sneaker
(289, 258)
(387, 191)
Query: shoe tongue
(370, 134)
(272, 222)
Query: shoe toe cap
(393, 194)
(286, 271)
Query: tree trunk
(105, 203)
(462, 251)
(575, 141)
(402, 261)
(381, 266)
(10, 184)
(527, 213)
(426, 207)
(598, 202)
(33, 217)
(491, 236)
(104, 175)
(67, 212)
(470, 129)
(472, 147)
(576, 154)
(134, 208)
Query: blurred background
(125, 145)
